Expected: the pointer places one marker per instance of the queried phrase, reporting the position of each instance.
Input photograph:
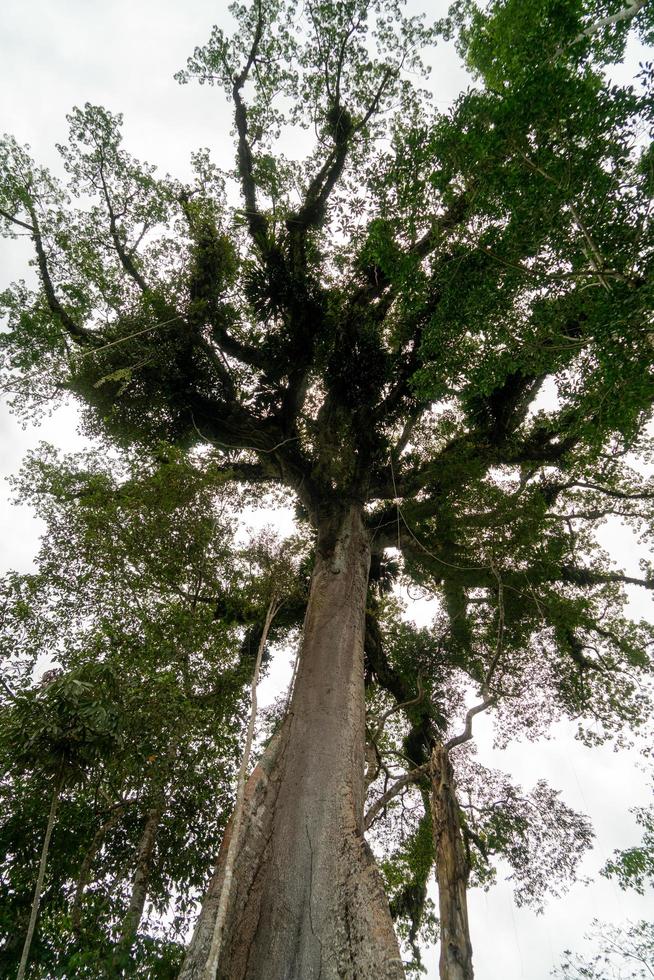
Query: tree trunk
(141, 877)
(307, 900)
(451, 872)
(36, 901)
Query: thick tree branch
(77, 332)
(125, 257)
(466, 734)
(247, 472)
(378, 282)
(588, 576)
(407, 780)
(311, 212)
(627, 13)
(140, 884)
(257, 224)
(217, 363)
(225, 341)
(454, 215)
(16, 221)
(608, 491)
(423, 715)
(232, 347)
(380, 723)
(38, 888)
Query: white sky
(122, 54)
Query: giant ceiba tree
(371, 329)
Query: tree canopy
(441, 320)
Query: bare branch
(16, 221)
(8, 690)
(389, 74)
(625, 14)
(379, 727)
(322, 184)
(466, 734)
(322, 54)
(609, 492)
(410, 777)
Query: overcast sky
(58, 53)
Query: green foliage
(67, 723)
(634, 866)
(146, 605)
(445, 317)
(406, 874)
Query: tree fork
(307, 899)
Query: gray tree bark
(451, 872)
(307, 901)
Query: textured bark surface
(451, 872)
(307, 900)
